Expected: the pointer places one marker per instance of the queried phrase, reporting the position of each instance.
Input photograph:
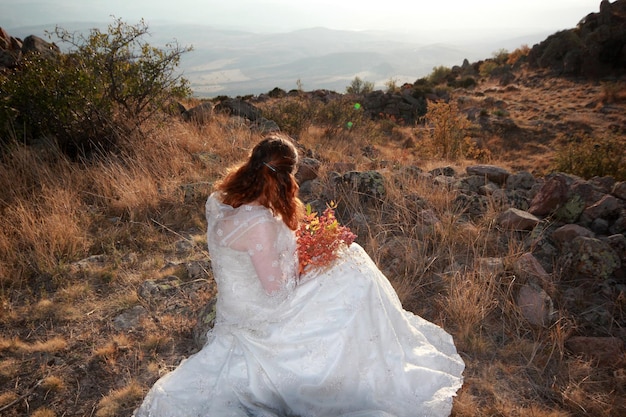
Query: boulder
(552, 194)
(529, 268)
(564, 235)
(520, 181)
(619, 190)
(308, 169)
(370, 185)
(490, 172)
(34, 44)
(593, 258)
(199, 114)
(606, 207)
(265, 126)
(535, 305)
(514, 219)
(238, 107)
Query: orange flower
(320, 237)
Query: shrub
(439, 75)
(487, 68)
(392, 85)
(358, 86)
(588, 157)
(107, 85)
(501, 56)
(518, 54)
(340, 114)
(293, 115)
(447, 129)
(465, 82)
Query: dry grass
(122, 217)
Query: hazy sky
(282, 15)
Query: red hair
(267, 177)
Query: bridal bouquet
(320, 237)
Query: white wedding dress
(335, 343)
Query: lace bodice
(253, 255)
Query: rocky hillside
(105, 282)
(595, 48)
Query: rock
(552, 194)
(520, 181)
(600, 226)
(528, 267)
(204, 323)
(34, 44)
(184, 246)
(586, 191)
(199, 114)
(514, 219)
(490, 172)
(197, 269)
(265, 126)
(94, 261)
(445, 171)
(471, 184)
(150, 290)
(129, 319)
(564, 235)
(619, 190)
(606, 207)
(619, 225)
(308, 169)
(535, 305)
(472, 204)
(592, 49)
(618, 243)
(238, 107)
(593, 258)
(606, 351)
(369, 184)
(572, 209)
(510, 198)
(604, 184)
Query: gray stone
(593, 258)
(204, 323)
(619, 190)
(520, 181)
(535, 305)
(564, 235)
(514, 219)
(490, 172)
(130, 318)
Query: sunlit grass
(132, 207)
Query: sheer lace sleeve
(260, 241)
(267, 241)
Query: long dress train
(337, 343)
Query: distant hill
(235, 62)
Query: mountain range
(238, 62)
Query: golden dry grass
(60, 350)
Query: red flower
(320, 237)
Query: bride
(332, 342)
